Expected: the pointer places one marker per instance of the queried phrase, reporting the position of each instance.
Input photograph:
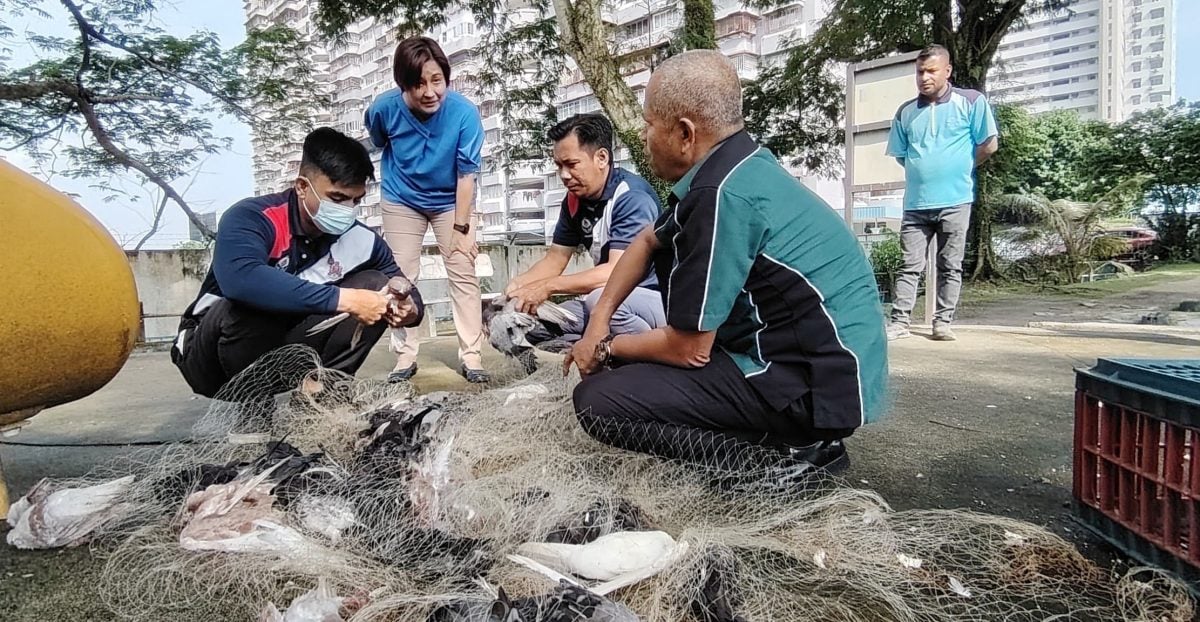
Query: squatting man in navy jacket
(284, 262)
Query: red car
(1139, 238)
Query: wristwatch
(604, 350)
(463, 229)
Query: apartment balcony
(525, 201)
(527, 176)
(455, 45)
(644, 42)
(740, 44)
(783, 40)
(526, 225)
(489, 179)
(491, 205)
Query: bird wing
(556, 313)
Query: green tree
(1161, 148)
(121, 95)
(1076, 224)
(812, 97)
(1049, 155)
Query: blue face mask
(332, 218)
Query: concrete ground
(982, 423)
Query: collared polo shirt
(749, 252)
(935, 142)
(611, 221)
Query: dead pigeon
(513, 333)
(46, 518)
(606, 558)
(601, 519)
(567, 602)
(319, 604)
(717, 601)
(398, 289)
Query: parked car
(1138, 238)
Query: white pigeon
(319, 604)
(608, 557)
(46, 518)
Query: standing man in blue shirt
(939, 138)
(432, 139)
(605, 209)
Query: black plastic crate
(1137, 459)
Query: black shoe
(401, 375)
(474, 376)
(829, 456)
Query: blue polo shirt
(935, 142)
(610, 221)
(422, 160)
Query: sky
(226, 178)
(221, 180)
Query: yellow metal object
(70, 314)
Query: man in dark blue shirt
(605, 209)
(283, 263)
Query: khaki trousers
(404, 229)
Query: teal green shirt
(747, 251)
(935, 142)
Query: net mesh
(408, 506)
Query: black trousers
(709, 416)
(230, 336)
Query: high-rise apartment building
(1105, 59)
(276, 162)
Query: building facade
(1105, 59)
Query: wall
(168, 280)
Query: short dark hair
(932, 51)
(411, 56)
(592, 130)
(337, 156)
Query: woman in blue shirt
(432, 140)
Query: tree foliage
(1077, 225)
(1162, 146)
(119, 94)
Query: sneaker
(897, 331)
(474, 376)
(942, 332)
(402, 375)
(829, 456)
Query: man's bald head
(700, 85)
(693, 102)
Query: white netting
(408, 507)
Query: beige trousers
(404, 229)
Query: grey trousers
(917, 230)
(641, 312)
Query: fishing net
(408, 508)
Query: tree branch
(36, 90)
(162, 205)
(128, 161)
(87, 30)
